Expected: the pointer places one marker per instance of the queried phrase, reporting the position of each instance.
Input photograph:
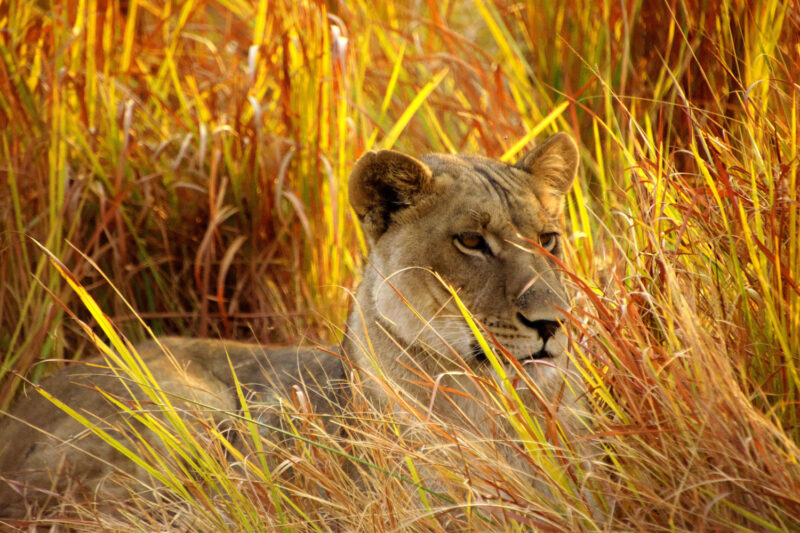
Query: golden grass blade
(535, 131)
(391, 136)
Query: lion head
(489, 229)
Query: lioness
(487, 228)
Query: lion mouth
(477, 353)
(480, 356)
(541, 354)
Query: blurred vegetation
(197, 153)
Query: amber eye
(472, 242)
(548, 241)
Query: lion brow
(481, 217)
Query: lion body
(486, 229)
(44, 450)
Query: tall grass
(198, 153)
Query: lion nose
(545, 328)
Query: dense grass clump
(197, 154)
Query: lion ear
(383, 182)
(552, 165)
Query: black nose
(545, 328)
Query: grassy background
(197, 152)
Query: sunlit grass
(198, 153)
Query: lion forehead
(492, 176)
(494, 194)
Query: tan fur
(416, 215)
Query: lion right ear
(552, 165)
(382, 183)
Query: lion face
(490, 230)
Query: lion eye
(471, 242)
(548, 241)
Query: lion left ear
(552, 165)
(383, 183)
